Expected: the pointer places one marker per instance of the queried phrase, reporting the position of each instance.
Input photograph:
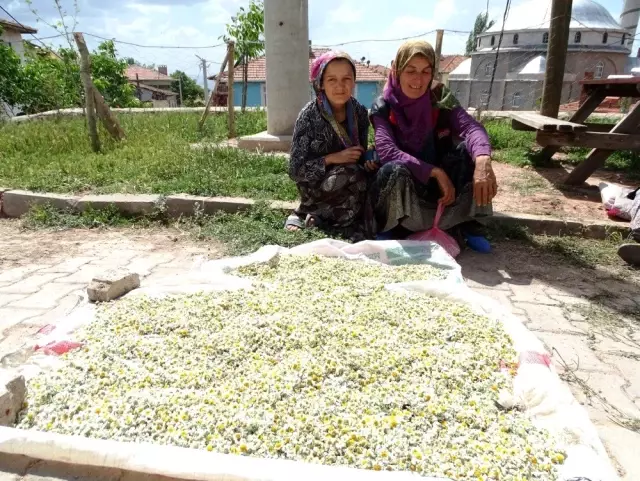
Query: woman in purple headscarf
(417, 126)
(327, 152)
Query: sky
(200, 23)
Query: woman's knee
(393, 168)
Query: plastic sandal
(478, 243)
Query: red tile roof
(145, 73)
(448, 63)
(257, 71)
(17, 26)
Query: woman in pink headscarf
(328, 152)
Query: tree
(481, 25)
(11, 76)
(109, 75)
(247, 31)
(191, 91)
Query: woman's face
(338, 81)
(416, 77)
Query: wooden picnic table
(604, 139)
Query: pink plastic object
(438, 236)
(58, 347)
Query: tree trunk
(245, 82)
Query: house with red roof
(369, 81)
(153, 85)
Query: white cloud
(13, 6)
(346, 13)
(145, 8)
(212, 12)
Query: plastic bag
(437, 235)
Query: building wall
(365, 93)
(254, 94)
(534, 37)
(14, 39)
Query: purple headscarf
(413, 116)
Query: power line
(495, 62)
(379, 40)
(152, 46)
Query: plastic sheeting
(537, 387)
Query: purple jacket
(462, 125)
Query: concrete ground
(589, 319)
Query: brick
(533, 293)
(143, 265)
(185, 205)
(68, 266)
(112, 284)
(574, 350)
(16, 203)
(52, 471)
(610, 387)
(571, 300)
(17, 273)
(81, 276)
(623, 443)
(127, 204)
(630, 370)
(13, 466)
(547, 318)
(616, 344)
(476, 278)
(7, 298)
(12, 316)
(114, 259)
(64, 306)
(13, 390)
(47, 297)
(16, 337)
(30, 284)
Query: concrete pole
(436, 67)
(556, 57)
(204, 74)
(286, 33)
(629, 19)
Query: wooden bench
(533, 121)
(603, 139)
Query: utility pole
(204, 73)
(180, 89)
(556, 57)
(436, 67)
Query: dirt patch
(540, 191)
(21, 247)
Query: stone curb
(16, 203)
(541, 225)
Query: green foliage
(11, 76)
(47, 216)
(481, 25)
(192, 93)
(247, 31)
(110, 76)
(51, 80)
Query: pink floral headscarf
(320, 64)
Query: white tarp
(537, 386)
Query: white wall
(14, 39)
(589, 37)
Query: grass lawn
(54, 155)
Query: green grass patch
(54, 156)
(519, 148)
(241, 233)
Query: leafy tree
(110, 76)
(191, 91)
(247, 31)
(482, 24)
(11, 76)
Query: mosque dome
(535, 15)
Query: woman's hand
(446, 187)
(346, 156)
(485, 186)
